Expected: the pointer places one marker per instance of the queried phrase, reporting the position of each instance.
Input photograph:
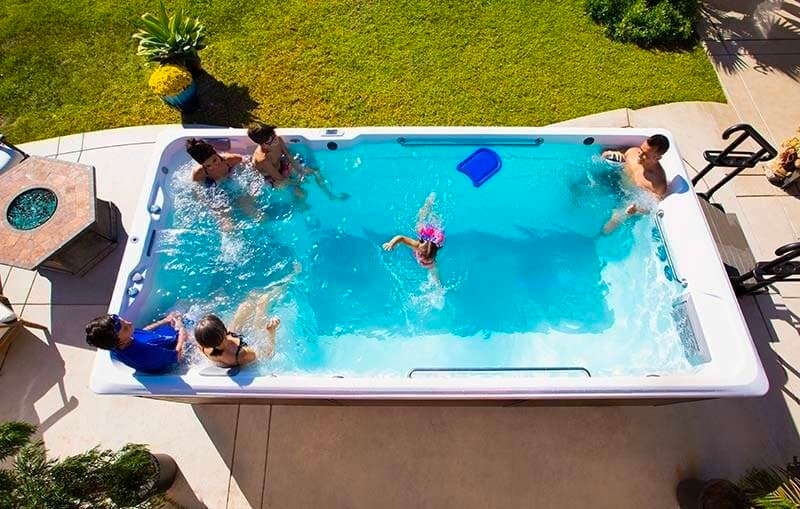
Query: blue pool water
(527, 279)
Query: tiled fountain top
(73, 185)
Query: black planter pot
(166, 471)
(713, 494)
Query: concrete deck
(333, 456)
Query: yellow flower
(170, 80)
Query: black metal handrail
(4, 141)
(778, 269)
(729, 157)
(480, 370)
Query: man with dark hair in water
(643, 169)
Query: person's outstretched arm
(426, 209)
(181, 341)
(167, 319)
(400, 239)
(619, 216)
(232, 159)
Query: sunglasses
(117, 323)
(270, 140)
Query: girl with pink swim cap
(429, 232)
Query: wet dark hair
(260, 133)
(100, 333)
(200, 150)
(429, 250)
(210, 332)
(659, 142)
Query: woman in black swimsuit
(228, 349)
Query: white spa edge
(734, 368)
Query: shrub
(100, 479)
(647, 23)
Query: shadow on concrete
(221, 104)
(94, 288)
(492, 456)
(772, 310)
(216, 420)
(30, 368)
(180, 494)
(744, 27)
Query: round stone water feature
(32, 208)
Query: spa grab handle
(729, 157)
(408, 142)
(483, 370)
(670, 262)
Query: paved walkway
(333, 456)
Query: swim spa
(533, 301)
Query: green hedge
(647, 23)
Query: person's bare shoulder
(232, 159)
(197, 174)
(258, 154)
(632, 152)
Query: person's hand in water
(397, 239)
(175, 320)
(342, 197)
(388, 246)
(273, 324)
(225, 224)
(635, 209)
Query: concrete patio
(281, 456)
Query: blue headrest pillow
(480, 166)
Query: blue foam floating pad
(480, 166)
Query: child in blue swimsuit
(156, 348)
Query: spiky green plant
(98, 478)
(173, 39)
(124, 475)
(771, 489)
(13, 436)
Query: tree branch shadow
(744, 30)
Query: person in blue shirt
(156, 348)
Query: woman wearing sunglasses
(280, 168)
(154, 349)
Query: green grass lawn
(69, 66)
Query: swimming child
(215, 171)
(430, 236)
(273, 160)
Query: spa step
(730, 240)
